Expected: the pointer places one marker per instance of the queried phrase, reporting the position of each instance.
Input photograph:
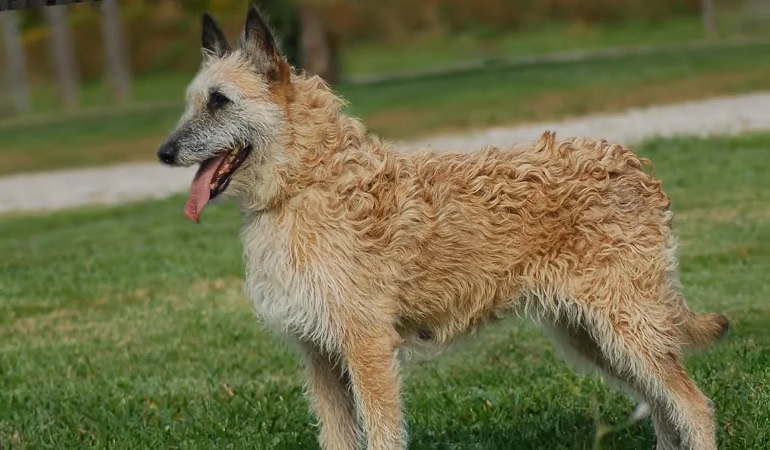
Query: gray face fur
(220, 117)
(228, 102)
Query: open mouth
(212, 179)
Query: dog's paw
(640, 412)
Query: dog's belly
(427, 339)
(428, 324)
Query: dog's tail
(702, 330)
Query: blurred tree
(115, 57)
(709, 23)
(283, 16)
(14, 53)
(168, 10)
(304, 36)
(318, 50)
(63, 55)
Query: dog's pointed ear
(260, 44)
(213, 41)
(257, 35)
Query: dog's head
(234, 109)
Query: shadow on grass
(563, 431)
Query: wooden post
(63, 55)
(14, 52)
(115, 55)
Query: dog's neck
(315, 130)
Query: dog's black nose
(167, 152)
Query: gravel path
(131, 182)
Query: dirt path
(132, 182)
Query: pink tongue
(200, 192)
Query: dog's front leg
(372, 363)
(331, 398)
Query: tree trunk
(317, 48)
(14, 52)
(115, 55)
(707, 13)
(63, 55)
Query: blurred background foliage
(396, 61)
(159, 33)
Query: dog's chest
(283, 295)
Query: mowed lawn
(432, 50)
(407, 108)
(127, 328)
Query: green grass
(440, 49)
(410, 108)
(127, 328)
(505, 95)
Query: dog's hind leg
(332, 400)
(579, 348)
(648, 361)
(371, 356)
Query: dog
(358, 251)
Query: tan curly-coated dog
(359, 251)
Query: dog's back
(476, 233)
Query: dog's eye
(217, 100)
